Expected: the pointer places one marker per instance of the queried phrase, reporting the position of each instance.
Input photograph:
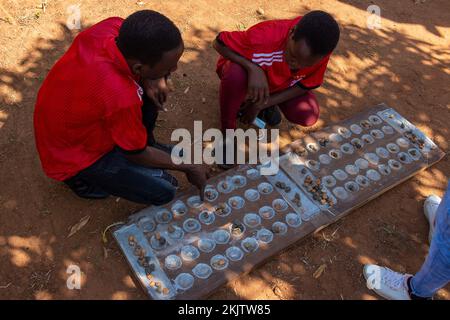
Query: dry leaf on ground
(77, 227)
(319, 271)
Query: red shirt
(88, 104)
(265, 44)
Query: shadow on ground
(386, 66)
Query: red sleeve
(238, 41)
(251, 40)
(127, 129)
(314, 78)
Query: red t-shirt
(89, 103)
(265, 44)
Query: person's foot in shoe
(271, 116)
(430, 207)
(389, 284)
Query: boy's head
(314, 37)
(150, 43)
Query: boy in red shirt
(96, 111)
(275, 63)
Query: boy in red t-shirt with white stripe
(275, 63)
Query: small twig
(48, 274)
(13, 21)
(6, 286)
(326, 238)
(104, 238)
(43, 5)
(334, 233)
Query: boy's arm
(282, 96)
(258, 88)
(153, 157)
(252, 110)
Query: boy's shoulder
(267, 32)
(101, 30)
(116, 89)
(277, 23)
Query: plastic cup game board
(188, 249)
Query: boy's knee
(166, 195)
(307, 119)
(234, 72)
(304, 110)
(304, 118)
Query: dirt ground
(405, 64)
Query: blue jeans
(114, 175)
(435, 272)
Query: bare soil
(405, 64)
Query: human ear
(137, 68)
(291, 32)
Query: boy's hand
(258, 89)
(157, 91)
(250, 112)
(197, 175)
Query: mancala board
(188, 249)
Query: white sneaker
(429, 209)
(389, 284)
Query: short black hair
(145, 35)
(320, 31)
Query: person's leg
(435, 272)
(232, 91)
(303, 110)
(85, 189)
(117, 176)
